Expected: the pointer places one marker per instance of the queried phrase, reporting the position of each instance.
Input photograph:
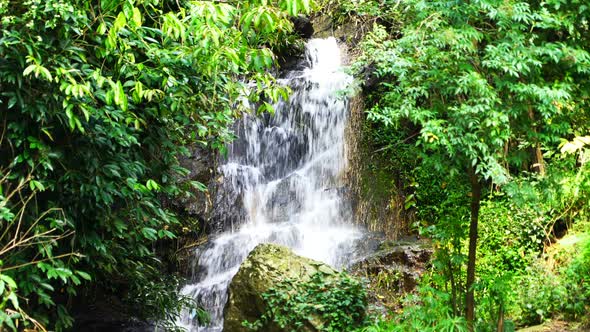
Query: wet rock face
(284, 201)
(228, 212)
(303, 26)
(216, 210)
(393, 270)
(201, 166)
(267, 265)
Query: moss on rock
(266, 266)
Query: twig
(194, 244)
(41, 260)
(24, 315)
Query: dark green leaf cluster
(425, 310)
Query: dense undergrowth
(526, 274)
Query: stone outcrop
(267, 265)
(393, 270)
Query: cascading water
(288, 170)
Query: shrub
(339, 303)
(427, 311)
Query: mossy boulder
(266, 266)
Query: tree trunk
(538, 161)
(501, 317)
(475, 204)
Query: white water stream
(288, 169)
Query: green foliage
(364, 10)
(430, 313)
(577, 284)
(336, 303)
(495, 294)
(8, 289)
(562, 195)
(426, 310)
(97, 101)
(470, 74)
(42, 273)
(510, 235)
(538, 296)
(517, 250)
(563, 291)
(160, 300)
(442, 215)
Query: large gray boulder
(267, 265)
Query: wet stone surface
(393, 270)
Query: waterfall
(288, 170)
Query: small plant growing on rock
(323, 303)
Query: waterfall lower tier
(287, 169)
